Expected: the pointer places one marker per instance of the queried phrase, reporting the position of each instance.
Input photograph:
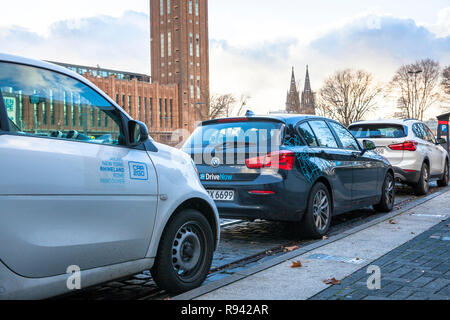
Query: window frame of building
(197, 47)
(161, 7)
(191, 44)
(196, 8)
(190, 6)
(192, 87)
(169, 44)
(162, 45)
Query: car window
(308, 135)
(419, 131)
(430, 134)
(347, 139)
(378, 131)
(47, 104)
(323, 133)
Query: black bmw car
(294, 168)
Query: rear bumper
(406, 176)
(287, 203)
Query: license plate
(221, 195)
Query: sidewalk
(413, 265)
(419, 269)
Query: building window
(190, 6)
(171, 113)
(161, 7)
(196, 8)
(129, 105)
(151, 112)
(44, 113)
(169, 44)
(165, 113)
(162, 45)
(192, 86)
(117, 98)
(160, 113)
(139, 108)
(145, 110)
(197, 40)
(198, 87)
(123, 102)
(191, 44)
(168, 6)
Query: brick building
(180, 54)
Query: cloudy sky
(253, 43)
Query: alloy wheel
(389, 190)
(321, 210)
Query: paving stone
(417, 270)
(437, 285)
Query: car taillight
(283, 160)
(405, 146)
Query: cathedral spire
(308, 105)
(307, 81)
(293, 96)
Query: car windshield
(379, 131)
(224, 135)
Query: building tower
(293, 96)
(180, 54)
(308, 99)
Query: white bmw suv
(410, 146)
(86, 196)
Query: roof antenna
(250, 113)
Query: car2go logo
(138, 171)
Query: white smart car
(84, 188)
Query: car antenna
(250, 113)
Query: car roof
(285, 118)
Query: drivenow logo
(215, 177)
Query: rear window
(238, 134)
(380, 131)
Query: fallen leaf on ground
(291, 248)
(357, 259)
(296, 264)
(324, 238)
(392, 222)
(332, 281)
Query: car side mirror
(369, 145)
(138, 132)
(441, 141)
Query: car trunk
(394, 156)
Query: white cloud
(112, 42)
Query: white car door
(436, 153)
(71, 191)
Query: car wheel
(185, 253)
(423, 186)
(444, 181)
(317, 219)
(388, 195)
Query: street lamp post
(415, 73)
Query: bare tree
(348, 95)
(446, 80)
(416, 87)
(227, 105)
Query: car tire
(387, 196)
(444, 181)
(317, 218)
(423, 186)
(185, 253)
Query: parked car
(84, 186)
(412, 149)
(306, 170)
